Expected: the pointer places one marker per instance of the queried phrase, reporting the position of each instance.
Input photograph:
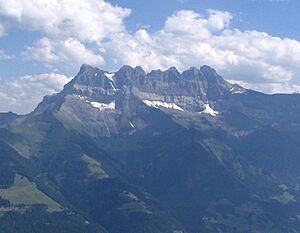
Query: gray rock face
(189, 90)
(6, 118)
(188, 96)
(129, 91)
(106, 103)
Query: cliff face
(124, 93)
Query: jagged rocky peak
(127, 75)
(129, 91)
(207, 70)
(89, 75)
(171, 74)
(191, 73)
(126, 69)
(215, 86)
(86, 68)
(172, 71)
(91, 81)
(211, 76)
(203, 83)
(139, 70)
(190, 90)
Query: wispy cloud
(5, 56)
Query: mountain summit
(121, 94)
(158, 152)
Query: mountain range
(158, 152)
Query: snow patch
(109, 76)
(132, 126)
(113, 86)
(209, 110)
(236, 90)
(103, 106)
(80, 97)
(100, 106)
(157, 104)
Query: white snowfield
(132, 126)
(113, 86)
(209, 110)
(157, 104)
(100, 106)
(80, 97)
(103, 106)
(110, 76)
(237, 90)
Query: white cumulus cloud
(68, 28)
(68, 52)
(86, 20)
(24, 93)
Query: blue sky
(43, 43)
